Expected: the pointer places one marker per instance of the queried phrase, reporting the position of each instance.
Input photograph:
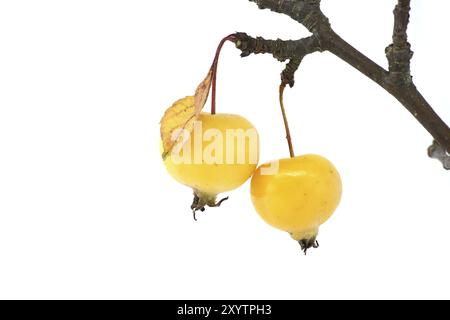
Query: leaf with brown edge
(182, 115)
(202, 92)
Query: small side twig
(399, 53)
(281, 50)
(288, 74)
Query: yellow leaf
(182, 114)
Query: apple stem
(214, 66)
(285, 120)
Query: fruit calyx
(306, 239)
(203, 199)
(306, 244)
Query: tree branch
(406, 93)
(282, 50)
(306, 12)
(397, 81)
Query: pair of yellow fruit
(295, 194)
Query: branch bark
(282, 50)
(397, 80)
(399, 53)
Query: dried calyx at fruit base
(201, 200)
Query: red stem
(232, 38)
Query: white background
(88, 211)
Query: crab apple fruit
(297, 195)
(219, 154)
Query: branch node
(436, 151)
(281, 50)
(288, 74)
(399, 53)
